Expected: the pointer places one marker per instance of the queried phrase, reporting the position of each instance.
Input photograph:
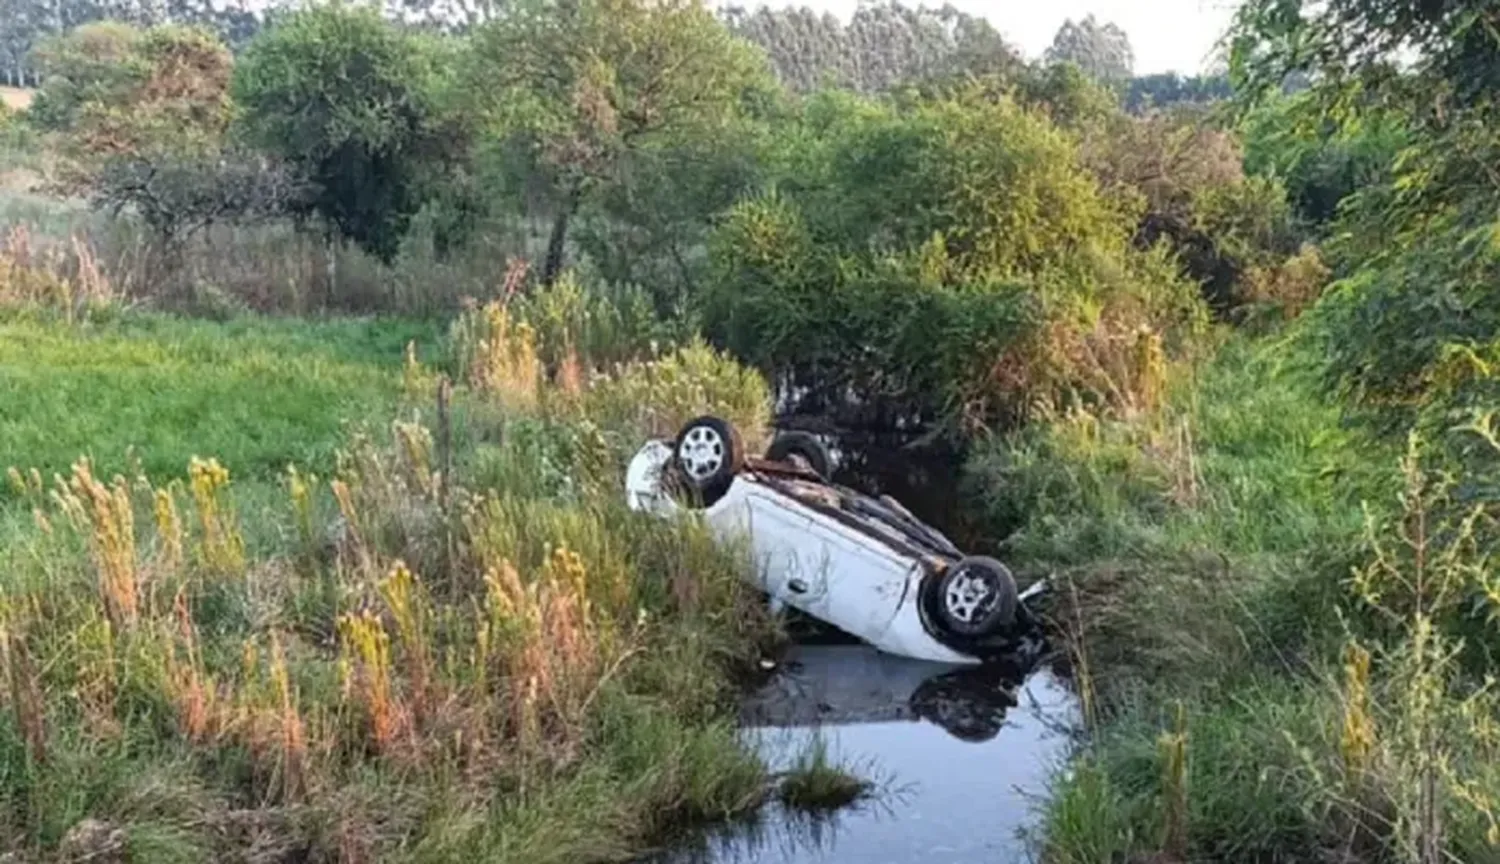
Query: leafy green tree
(570, 93)
(1412, 330)
(141, 117)
(1321, 162)
(1101, 50)
(1165, 89)
(94, 69)
(353, 105)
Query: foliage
(390, 645)
(947, 258)
(352, 105)
(1164, 89)
(53, 280)
(1414, 250)
(1323, 165)
(114, 90)
(571, 96)
(1102, 51)
(142, 116)
(1196, 197)
(1352, 46)
(606, 368)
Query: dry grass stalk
(300, 488)
(193, 691)
(292, 735)
(46, 277)
(1174, 752)
(344, 495)
(415, 442)
(97, 675)
(504, 361)
(410, 610)
(104, 515)
(168, 529)
(366, 670)
(552, 647)
(25, 694)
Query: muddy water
(961, 759)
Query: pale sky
(1167, 35)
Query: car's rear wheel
(977, 597)
(804, 449)
(709, 453)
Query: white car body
(808, 559)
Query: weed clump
(816, 784)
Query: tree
(883, 46)
(1169, 88)
(1412, 328)
(568, 90)
(937, 262)
(28, 23)
(1100, 50)
(351, 104)
(141, 116)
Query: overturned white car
(865, 565)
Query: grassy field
(156, 390)
(392, 662)
(1205, 558)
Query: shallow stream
(961, 759)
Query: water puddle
(962, 757)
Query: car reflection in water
(840, 685)
(958, 754)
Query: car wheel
(802, 448)
(709, 453)
(977, 597)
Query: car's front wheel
(976, 597)
(709, 453)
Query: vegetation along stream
(327, 331)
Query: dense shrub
(943, 259)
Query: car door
(813, 562)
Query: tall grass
(265, 267)
(1255, 700)
(393, 657)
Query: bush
(527, 356)
(942, 261)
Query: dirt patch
(15, 98)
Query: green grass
(257, 394)
(816, 783)
(1204, 568)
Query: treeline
(884, 45)
(980, 244)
